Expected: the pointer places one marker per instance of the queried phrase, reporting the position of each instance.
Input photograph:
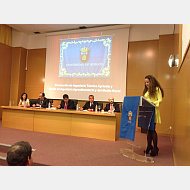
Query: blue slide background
(98, 63)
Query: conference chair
(75, 102)
(33, 101)
(120, 108)
(101, 105)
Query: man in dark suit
(111, 105)
(90, 105)
(66, 103)
(42, 101)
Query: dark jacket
(44, 104)
(116, 106)
(87, 105)
(70, 104)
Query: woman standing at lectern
(154, 93)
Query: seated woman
(24, 102)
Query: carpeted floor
(62, 150)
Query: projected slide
(87, 63)
(85, 57)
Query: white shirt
(27, 101)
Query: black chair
(120, 108)
(33, 101)
(75, 102)
(101, 105)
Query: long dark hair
(22, 97)
(152, 86)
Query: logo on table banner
(84, 52)
(130, 116)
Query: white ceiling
(29, 29)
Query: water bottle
(113, 109)
(9, 102)
(77, 107)
(96, 108)
(49, 105)
(24, 104)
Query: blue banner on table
(129, 117)
(85, 57)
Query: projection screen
(87, 62)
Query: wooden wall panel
(142, 60)
(15, 66)
(35, 73)
(5, 34)
(165, 78)
(15, 75)
(164, 72)
(18, 73)
(22, 73)
(5, 64)
(181, 119)
(174, 74)
(180, 44)
(5, 74)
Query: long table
(96, 125)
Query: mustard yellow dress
(156, 100)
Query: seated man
(42, 101)
(66, 103)
(20, 154)
(90, 105)
(111, 105)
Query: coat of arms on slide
(84, 52)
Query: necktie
(111, 107)
(65, 106)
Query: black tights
(152, 136)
